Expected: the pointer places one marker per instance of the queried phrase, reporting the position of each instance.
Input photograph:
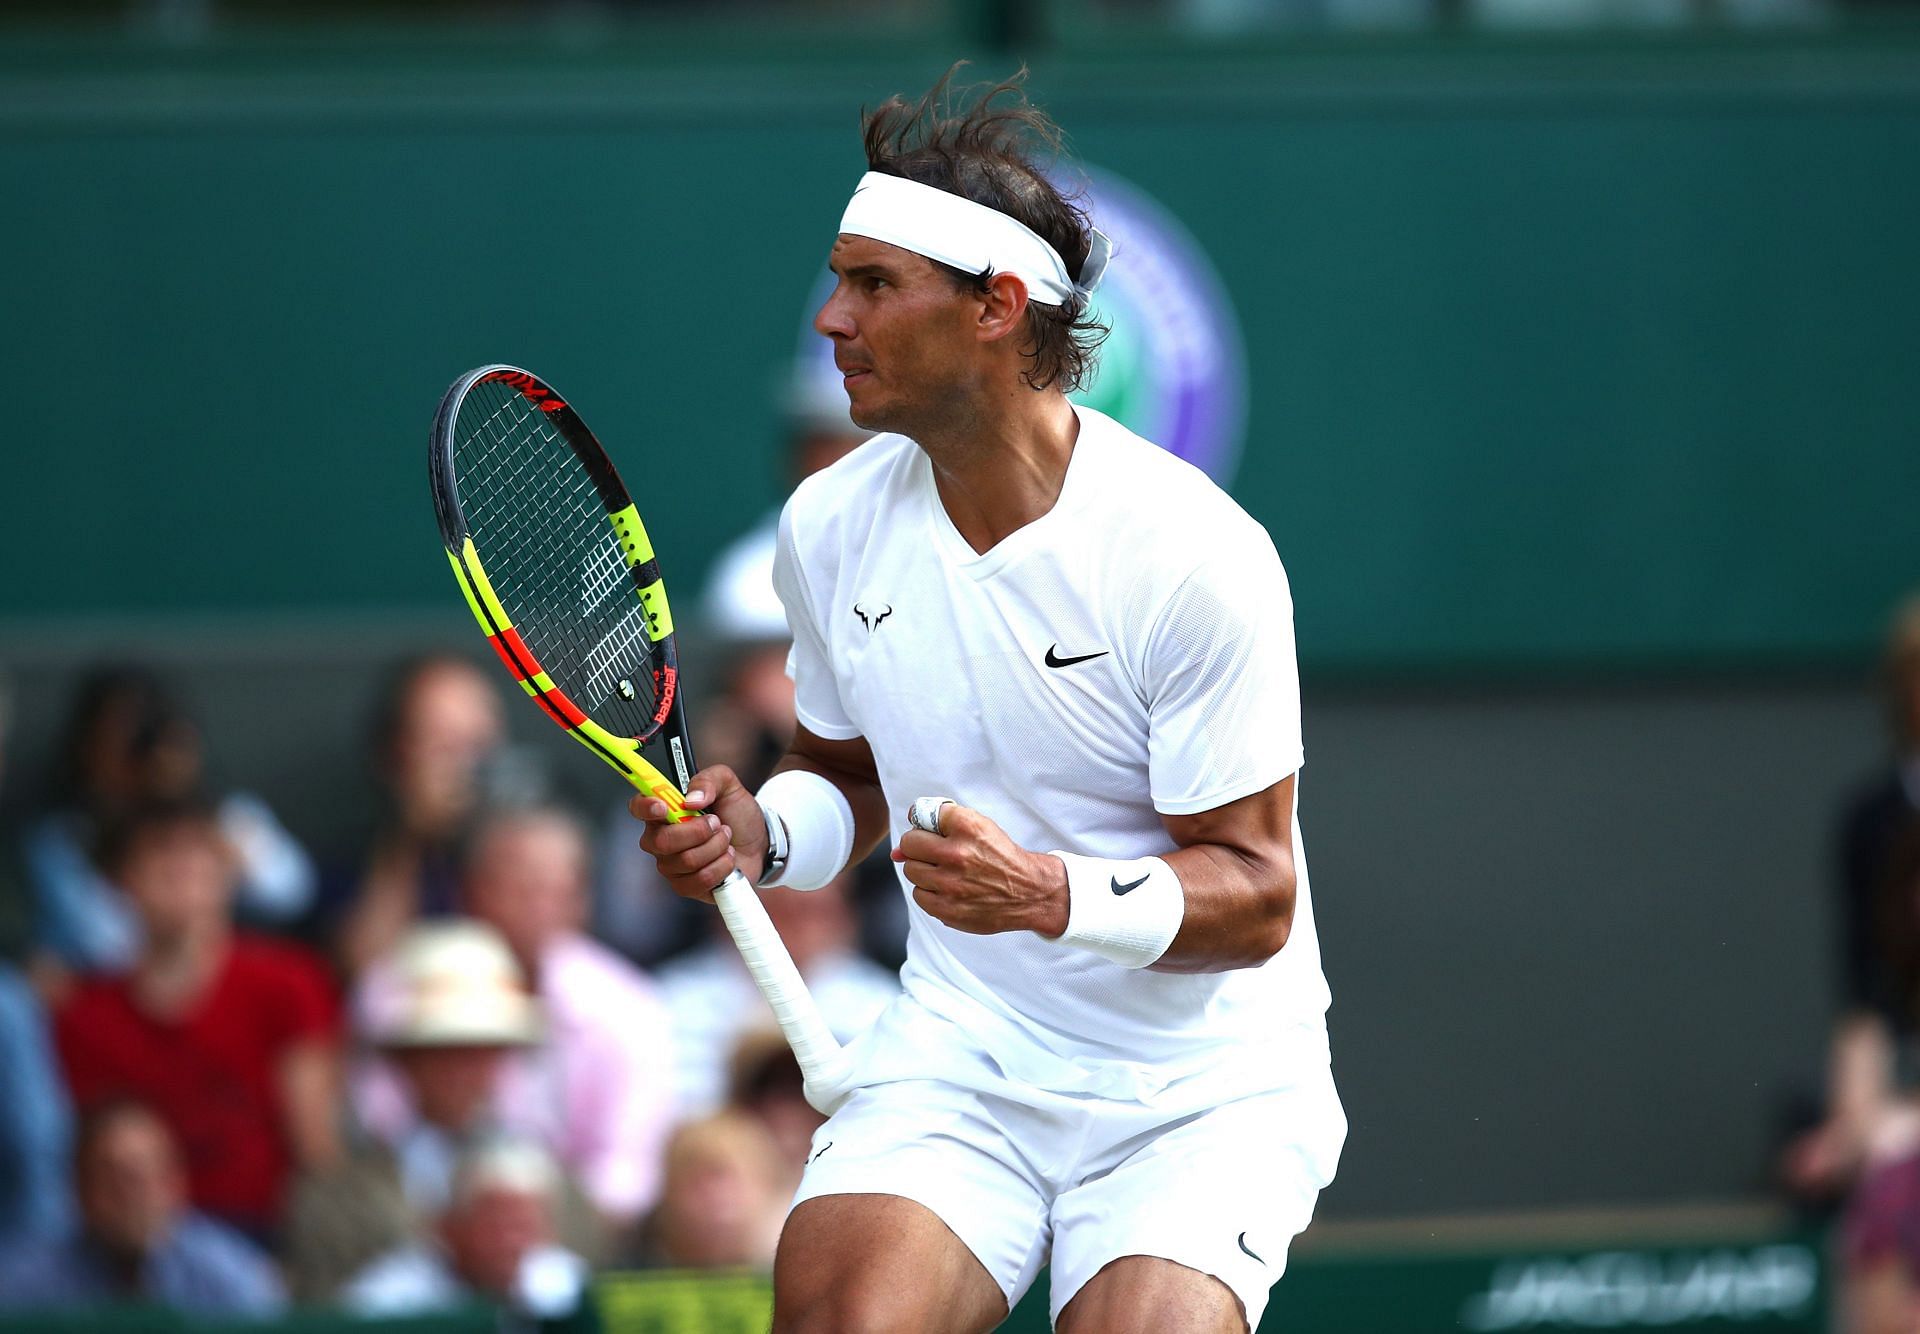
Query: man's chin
(868, 416)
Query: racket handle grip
(823, 1064)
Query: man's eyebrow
(861, 270)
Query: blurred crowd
(475, 1055)
(1857, 1155)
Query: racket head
(557, 568)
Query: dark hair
(152, 711)
(984, 150)
(95, 1122)
(119, 837)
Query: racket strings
(543, 537)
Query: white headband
(969, 236)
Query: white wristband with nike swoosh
(1126, 911)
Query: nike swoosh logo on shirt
(1119, 888)
(1245, 1251)
(1053, 660)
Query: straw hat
(450, 984)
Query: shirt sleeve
(816, 695)
(307, 1008)
(1223, 689)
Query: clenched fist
(696, 854)
(974, 878)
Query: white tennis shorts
(1080, 1181)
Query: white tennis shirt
(1130, 653)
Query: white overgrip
(823, 1064)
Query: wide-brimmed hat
(449, 984)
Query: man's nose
(831, 319)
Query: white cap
(449, 984)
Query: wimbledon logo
(1174, 369)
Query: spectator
(496, 1241)
(34, 1118)
(129, 743)
(714, 1003)
(438, 733)
(767, 1085)
(725, 1198)
(599, 1091)
(1868, 1119)
(444, 1012)
(16, 912)
(1880, 1252)
(231, 1037)
(138, 1242)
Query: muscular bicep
(851, 756)
(1236, 869)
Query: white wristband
(818, 828)
(1127, 911)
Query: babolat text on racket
(549, 549)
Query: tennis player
(1110, 1052)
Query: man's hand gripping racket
(550, 553)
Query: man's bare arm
(849, 766)
(1236, 866)
(1234, 863)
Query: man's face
(130, 1184)
(905, 337)
(451, 1087)
(451, 720)
(488, 1235)
(179, 876)
(528, 880)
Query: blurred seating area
(412, 1079)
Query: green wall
(1562, 351)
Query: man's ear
(1003, 308)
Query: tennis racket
(549, 550)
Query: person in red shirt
(232, 1038)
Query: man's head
(1903, 674)
(525, 875)
(964, 273)
(765, 1081)
(176, 867)
(723, 1196)
(446, 1007)
(128, 1178)
(126, 740)
(502, 1208)
(438, 720)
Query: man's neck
(173, 975)
(1001, 465)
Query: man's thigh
(1142, 1294)
(930, 1150)
(854, 1263)
(1220, 1194)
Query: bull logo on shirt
(872, 613)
